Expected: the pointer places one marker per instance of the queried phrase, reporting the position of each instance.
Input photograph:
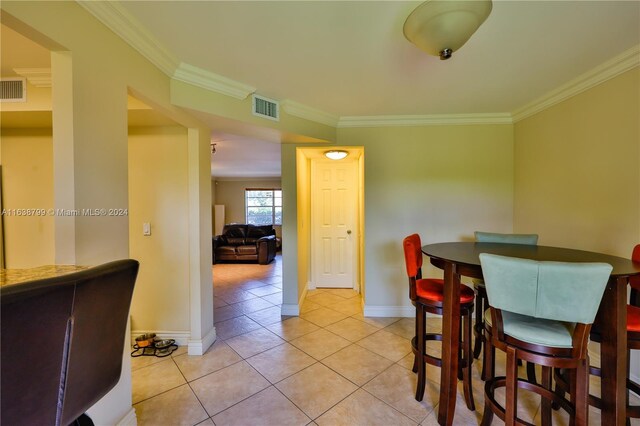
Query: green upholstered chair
(540, 312)
(427, 295)
(478, 285)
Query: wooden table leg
(450, 345)
(612, 321)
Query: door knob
(349, 231)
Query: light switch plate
(146, 229)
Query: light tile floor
(329, 366)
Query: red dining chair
(633, 343)
(426, 295)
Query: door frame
(353, 225)
(304, 156)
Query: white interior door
(333, 226)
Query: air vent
(13, 90)
(266, 108)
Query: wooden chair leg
(531, 372)
(545, 409)
(488, 360)
(415, 358)
(582, 393)
(420, 343)
(478, 327)
(461, 349)
(572, 393)
(468, 361)
(559, 391)
(487, 415)
(511, 391)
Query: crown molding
(39, 77)
(424, 120)
(125, 25)
(308, 113)
(606, 71)
(210, 81)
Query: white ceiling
(350, 58)
(239, 156)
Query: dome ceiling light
(336, 154)
(441, 27)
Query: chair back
(559, 291)
(412, 255)
(494, 237)
(63, 341)
(635, 280)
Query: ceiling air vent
(13, 90)
(266, 108)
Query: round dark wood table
(458, 259)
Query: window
(264, 206)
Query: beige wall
(443, 182)
(92, 72)
(230, 193)
(577, 171)
(158, 194)
(27, 183)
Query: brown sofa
(241, 242)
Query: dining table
(458, 259)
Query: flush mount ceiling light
(441, 27)
(336, 154)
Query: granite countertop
(16, 276)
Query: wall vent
(265, 108)
(13, 89)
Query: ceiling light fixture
(213, 148)
(336, 154)
(441, 27)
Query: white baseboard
(290, 310)
(303, 295)
(181, 337)
(294, 310)
(310, 286)
(389, 311)
(129, 419)
(200, 346)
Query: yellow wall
(303, 165)
(27, 183)
(577, 169)
(158, 194)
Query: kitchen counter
(16, 276)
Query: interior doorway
(334, 235)
(331, 219)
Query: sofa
(242, 242)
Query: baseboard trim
(290, 310)
(303, 295)
(200, 346)
(389, 311)
(129, 419)
(181, 337)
